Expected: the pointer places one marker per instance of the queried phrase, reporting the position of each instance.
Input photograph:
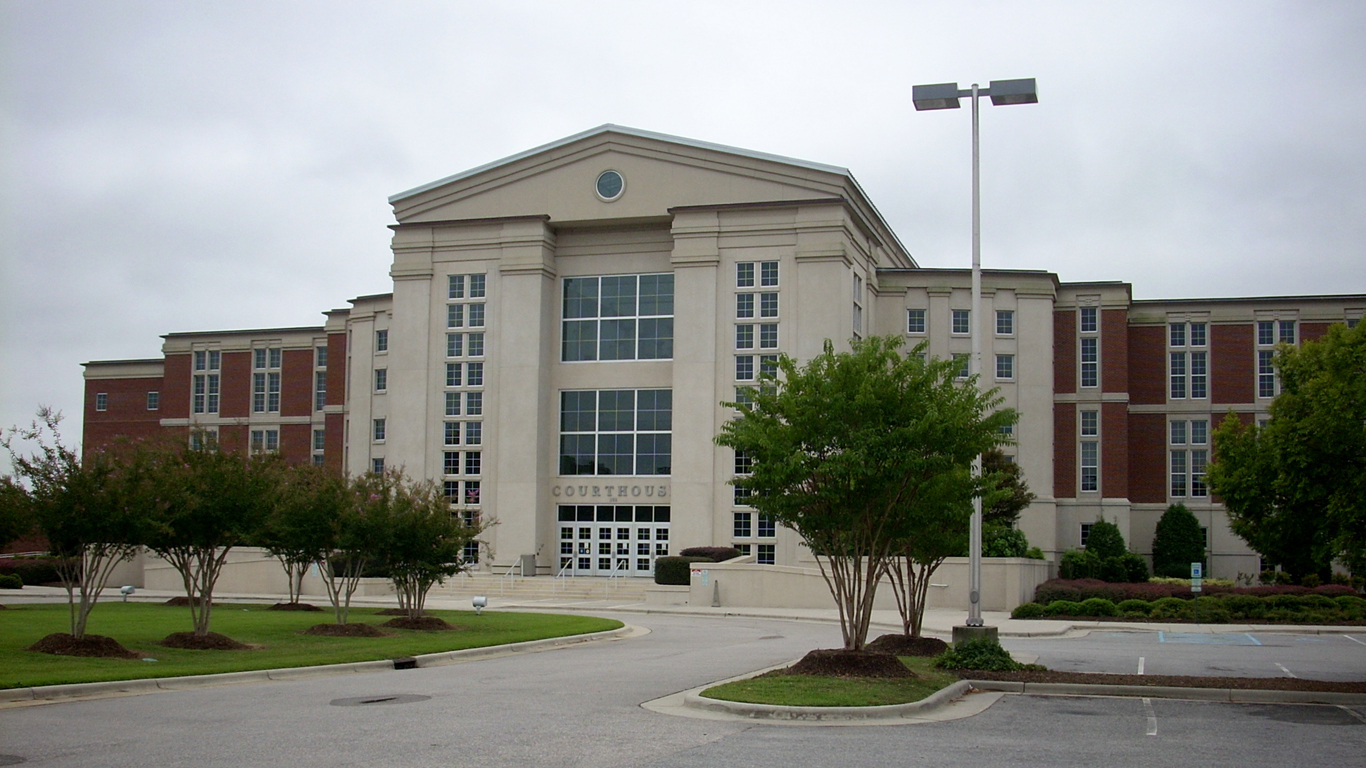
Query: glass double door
(603, 540)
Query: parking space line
(1353, 639)
(1353, 713)
(1140, 664)
(1152, 716)
(1253, 639)
(1283, 669)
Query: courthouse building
(566, 322)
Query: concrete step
(630, 590)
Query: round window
(610, 185)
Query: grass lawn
(812, 691)
(139, 626)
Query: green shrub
(676, 570)
(1350, 602)
(1169, 608)
(1063, 608)
(1079, 564)
(1318, 602)
(1244, 606)
(1210, 610)
(1098, 606)
(1112, 570)
(1177, 543)
(1140, 607)
(1034, 553)
(1027, 611)
(1135, 568)
(1106, 540)
(714, 554)
(983, 653)
(11, 581)
(33, 570)
(1311, 580)
(999, 541)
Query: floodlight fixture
(938, 96)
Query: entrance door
(603, 540)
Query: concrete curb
(152, 685)
(1227, 695)
(824, 714)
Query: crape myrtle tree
(425, 542)
(204, 502)
(15, 511)
(849, 449)
(82, 507)
(358, 533)
(1295, 490)
(302, 527)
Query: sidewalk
(939, 622)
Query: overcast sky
(188, 166)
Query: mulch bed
(345, 630)
(1103, 678)
(904, 645)
(210, 642)
(422, 622)
(838, 662)
(97, 646)
(183, 602)
(391, 612)
(294, 607)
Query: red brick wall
(336, 426)
(296, 383)
(1064, 450)
(1147, 458)
(126, 415)
(336, 373)
(175, 387)
(1147, 364)
(234, 386)
(1114, 352)
(296, 442)
(1065, 351)
(1114, 450)
(1313, 331)
(233, 438)
(1233, 372)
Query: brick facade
(1114, 450)
(1147, 365)
(1147, 458)
(1114, 350)
(1233, 364)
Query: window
(476, 315)
(744, 305)
(742, 528)
(744, 367)
(101, 401)
(743, 549)
(452, 403)
(453, 374)
(1266, 332)
(1088, 319)
(379, 430)
(744, 463)
(1198, 335)
(1287, 328)
(964, 365)
(455, 345)
(377, 466)
(768, 273)
(1090, 465)
(741, 496)
(317, 459)
(765, 554)
(1199, 432)
(1199, 375)
(474, 432)
(319, 390)
(476, 345)
(744, 336)
(1085, 534)
(1266, 373)
(744, 274)
(619, 317)
(450, 463)
(319, 439)
(1189, 465)
(153, 401)
(202, 439)
(767, 529)
(1090, 426)
(768, 336)
(320, 357)
(477, 283)
(452, 433)
(1198, 461)
(1090, 362)
(1005, 366)
(1177, 335)
(204, 386)
(768, 305)
(616, 432)
(381, 379)
(768, 365)
(472, 492)
(382, 341)
(962, 321)
(1005, 322)
(455, 316)
(1178, 375)
(915, 321)
(1178, 430)
(1178, 473)
(455, 287)
(265, 440)
(475, 375)
(472, 462)
(474, 403)
(265, 381)
(858, 305)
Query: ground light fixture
(946, 96)
(126, 591)
(480, 603)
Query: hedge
(33, 570)
(714, 554)
(1311, 608)
(676, 569)
(1077, 590)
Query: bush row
(676, 569)
(32, 570)
(1305, 608)
(1078, 590)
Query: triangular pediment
(660, 173)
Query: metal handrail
(620, 564)
(503, 580)
(560, 576)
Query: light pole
(946, 96)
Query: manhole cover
(379, 698)
(10, 759)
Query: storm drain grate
(396, 698)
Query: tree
(847, 449)
(1177, 543)
(204, 502)
(82, 508)
(1295, 490)
(301, 529)
(426, 542)
(1106, 540)
(1012, 494)
(16, 511)
(358, 534)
